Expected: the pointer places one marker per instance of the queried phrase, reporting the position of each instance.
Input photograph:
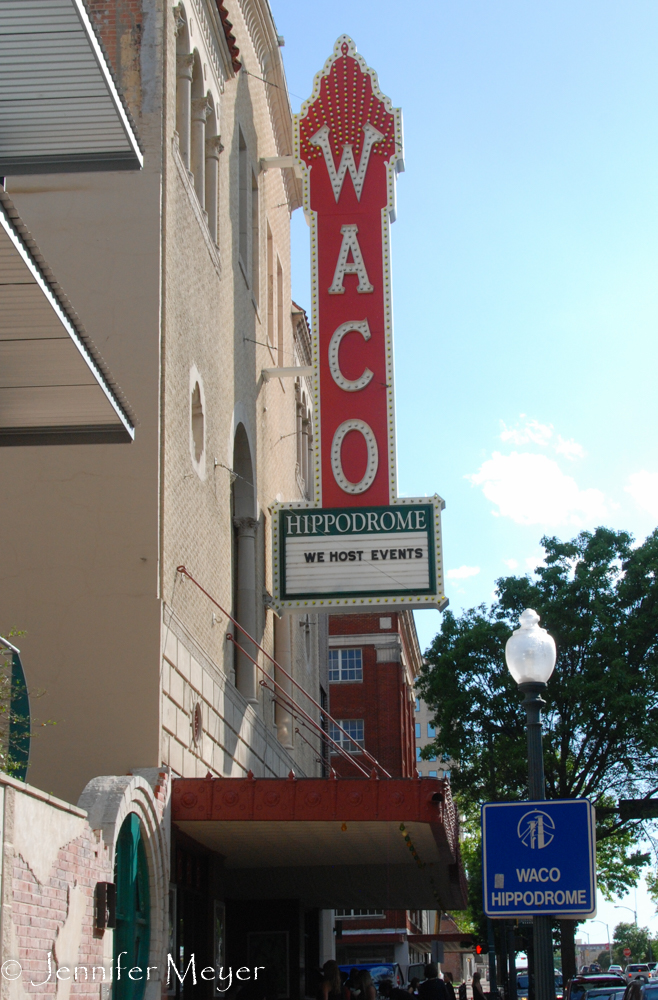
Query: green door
(133, 930)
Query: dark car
(580, 985)
(608, 993)
(523, 981)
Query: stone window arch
(198, 429)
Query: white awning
(54, 387)
(60, 109)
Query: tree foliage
(598, 598)
(638, 939)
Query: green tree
(604, 960)
(598, 597)
(633, 937)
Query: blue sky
(525, 259)
(525, 264)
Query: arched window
(197, 423)
(132, 936)
(245, 526)
(200, 110)
(304, 434)
(213, 149)
(184, 65)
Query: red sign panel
(348, 141)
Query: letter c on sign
(373, 456)
(360, 326)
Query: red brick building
(374, 660)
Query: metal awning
(54, 387)
(60, 108)
(389, 843)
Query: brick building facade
(373, 662)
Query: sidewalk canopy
(60, 108)
(54, 387)
(363, 843)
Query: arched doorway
(245, 527)
(133, 930)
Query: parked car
(650, 991)
(522, 985)
(581, 985)
(616, 968)
(608, 993)
(378, 971)
(638, 971)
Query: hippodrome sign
(539, 858)
(356, 543)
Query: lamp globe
(530, 651)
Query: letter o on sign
(373, 456)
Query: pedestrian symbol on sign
(536, 829)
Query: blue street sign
(539, 858)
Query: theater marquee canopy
(54, 387)
(60, 108)
(341, 842)
(356, 544)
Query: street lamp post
(607, 930)
(630, 910)
(530, 656)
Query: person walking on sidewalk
(478, 993)
(432, 988)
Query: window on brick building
(431, 731)
(418, 730)
(418, 704)
(431, 774)
(357, 914)
(446, 775)
(352, 727)
(418, 757)
(345, 665)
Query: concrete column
(184, 64)
(245, 671)
(283, 656)
(327, 936)
(200, 111)
(213, 149)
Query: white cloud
(532, 432)
(511, 563)
(533, 562)
(570, 449)
(543, 435)
(532, 489)
(643, 487)
(462, 573)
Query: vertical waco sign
(356, 544)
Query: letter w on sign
(349, 127)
